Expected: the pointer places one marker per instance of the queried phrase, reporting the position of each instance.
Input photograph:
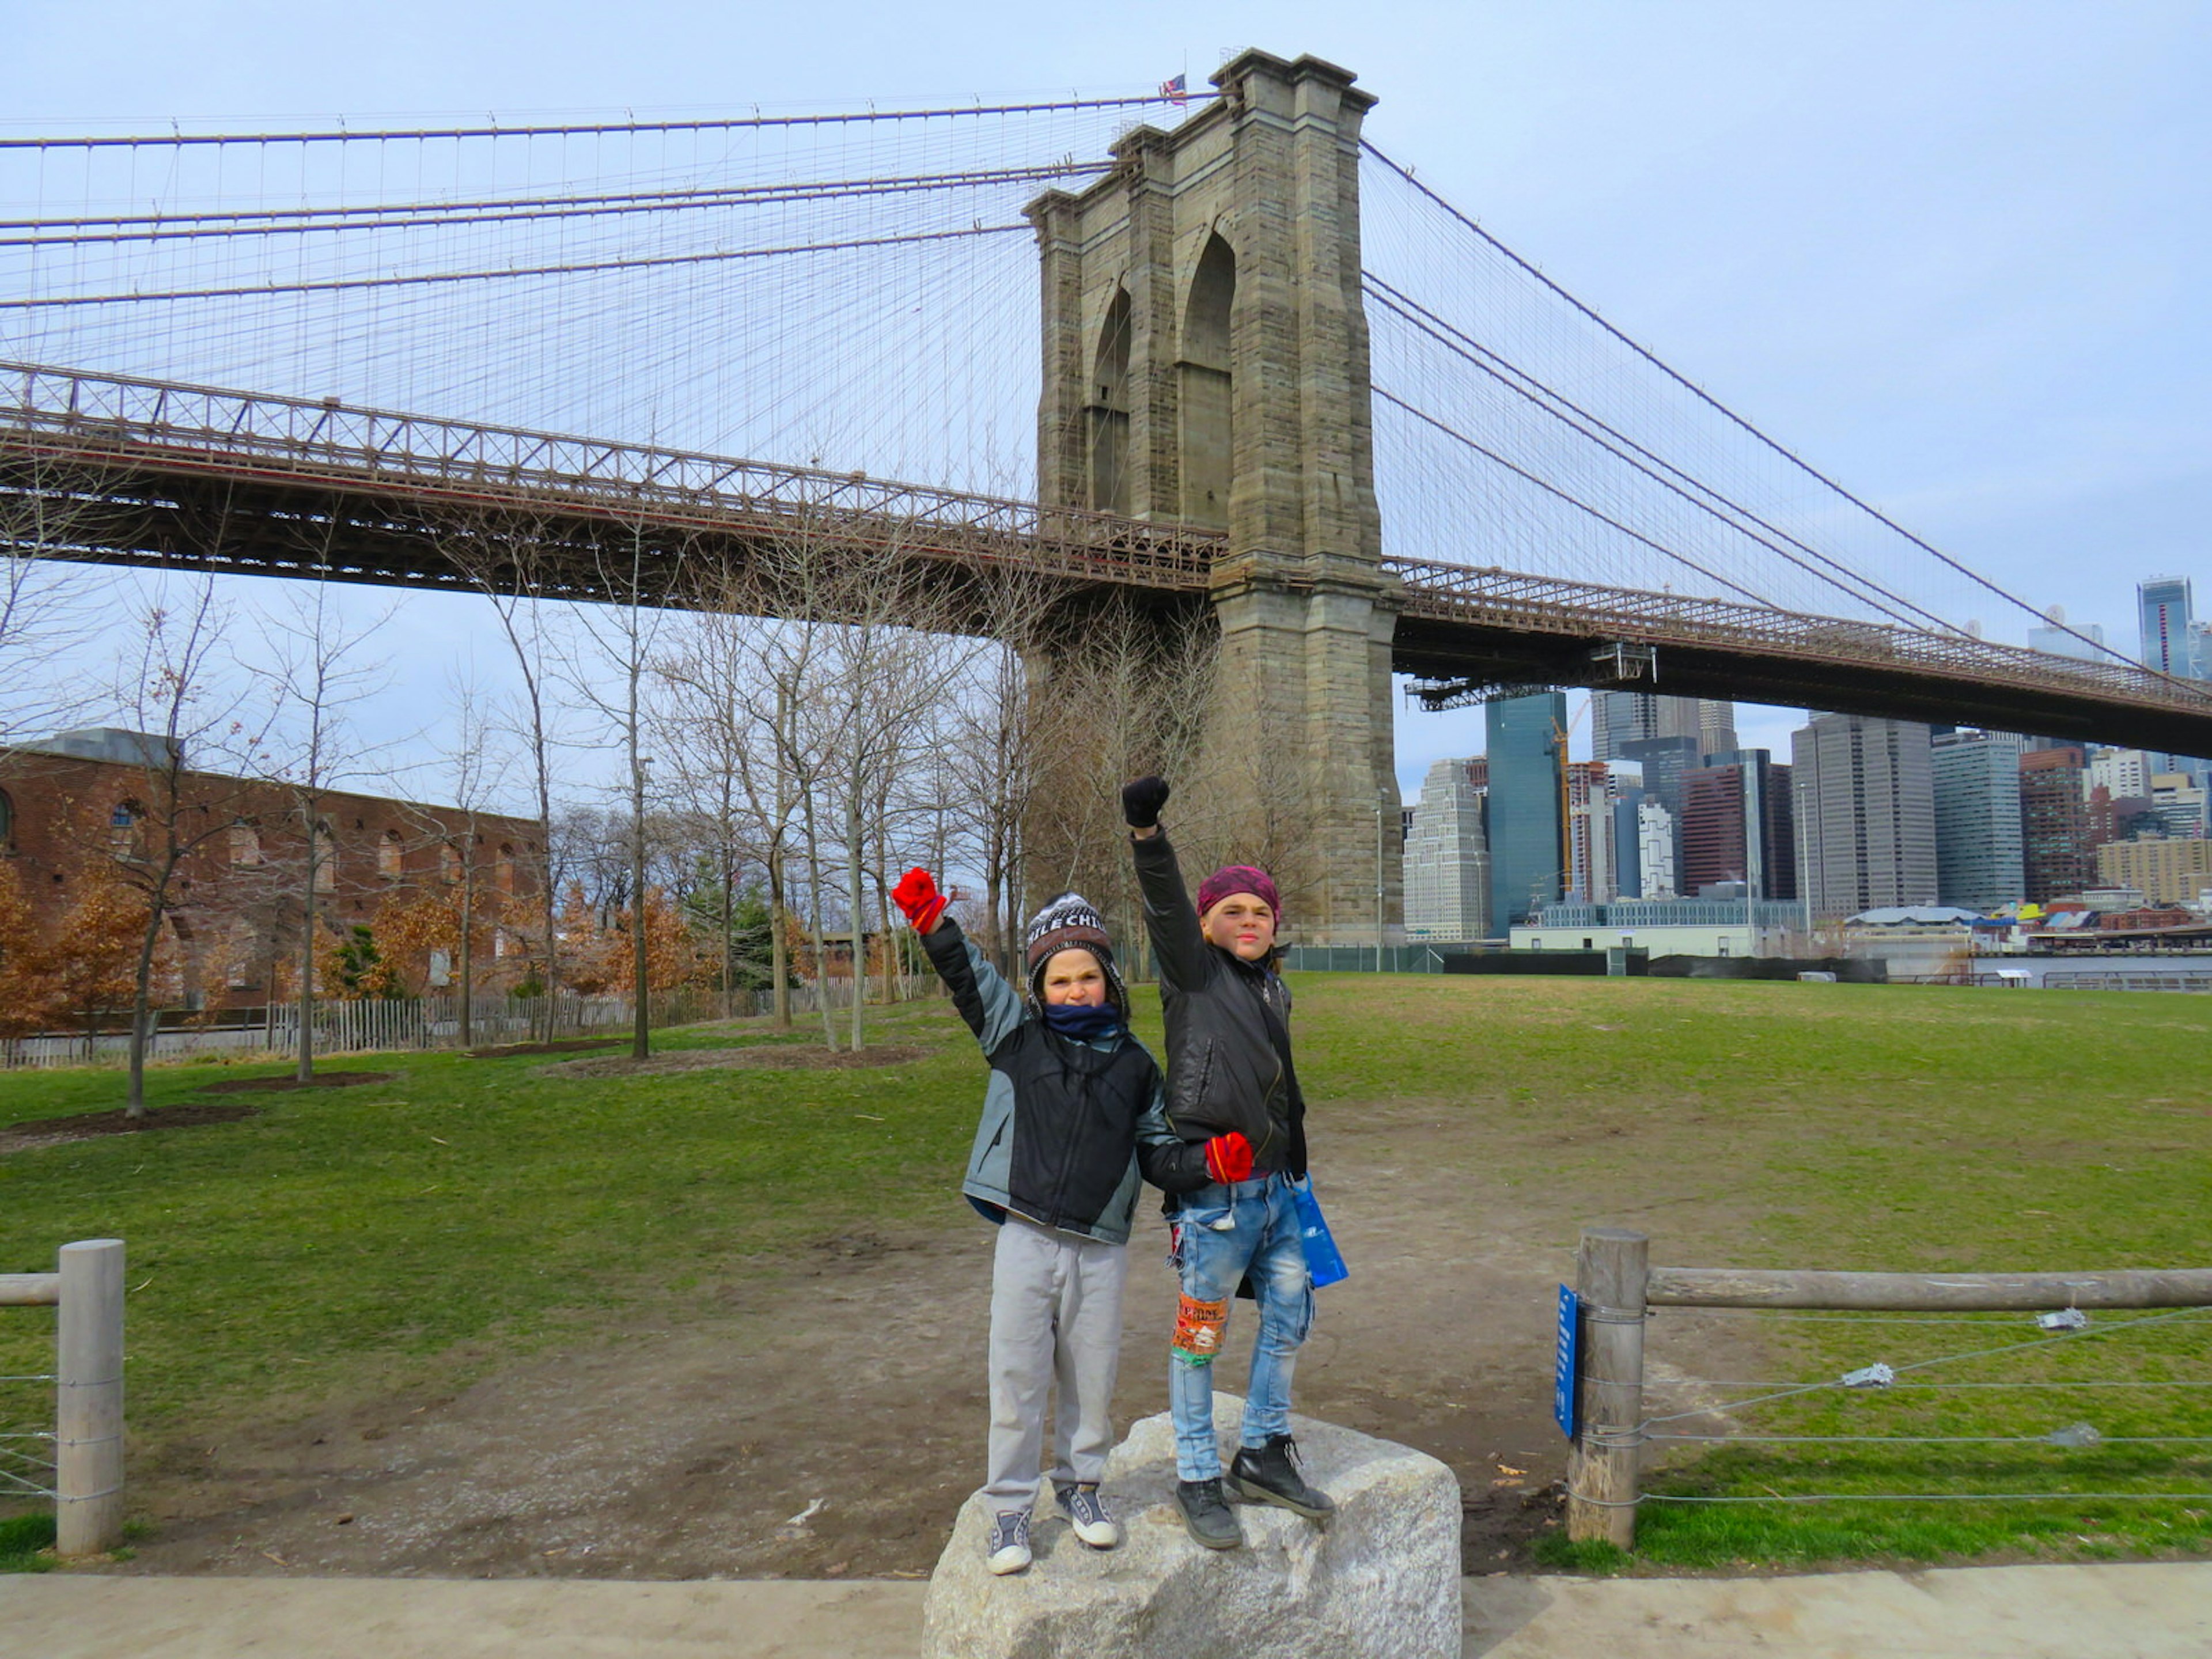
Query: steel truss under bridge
(183, 476)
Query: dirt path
(830, 1422)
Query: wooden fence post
(89, 1413)
(1611, 1267)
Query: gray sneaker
(1094, 1524)
(1009, 1548)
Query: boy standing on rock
(1055, 1164)
(1234, 1105)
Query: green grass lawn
(417, 1231)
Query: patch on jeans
(1199, 1327)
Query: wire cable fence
(61, 1395)
(2074, 1391)
(27, 1387)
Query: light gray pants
(1056, 1314)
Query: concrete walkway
(2134, 1612)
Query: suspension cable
(725, 123)
(158, 227)
(1707, 398)
(336, 284)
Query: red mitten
(917, 898)
(1229, 1158)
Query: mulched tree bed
(569, 1046)
(90, 1125)
(779, 1056)
(242, 1086)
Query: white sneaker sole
(1100, 1535)
(1005, 1561)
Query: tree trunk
(779, 948)
(641, 1036)
(303, 1067)
(142, 995)
(858, 902)
(468, 933)
(814, 921)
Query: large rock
(1381, 1581)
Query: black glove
(1141, 801)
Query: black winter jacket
(1065, 1123)
(1228, 1029)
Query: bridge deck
(195, 477)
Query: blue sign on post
(1563, 1367)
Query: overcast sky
(1954, 254)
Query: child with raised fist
(1071, 1098)
(1233, 1093)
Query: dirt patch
(275, 1085)
(780, 1056)
(566, 1046)
(90, 1125)
(824, 1415)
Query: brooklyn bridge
(1274, 376)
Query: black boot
(1207, 1514)
(1265, 1474)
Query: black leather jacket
(1228, 1026)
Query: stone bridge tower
(1206, 362)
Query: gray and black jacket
(1064, 1120)
(1229, 1030)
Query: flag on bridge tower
(1175, 91)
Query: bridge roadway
(188, 477)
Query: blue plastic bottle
(1324, 1263)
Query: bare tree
(639, 571)
(1120, 692)
(314, 678)
(991, 755)
(49, 516)
(704, 735)
(174, 691)
(471, 774)
(510, 559)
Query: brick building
(90, 800)
(2058, 838)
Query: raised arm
(1170, 918)
(985, 1000)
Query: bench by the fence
(88, 1389)
(1615, 1285)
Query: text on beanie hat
(1069, 922)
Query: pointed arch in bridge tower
(1206, 382)
(1109, 415)
(1231, 246)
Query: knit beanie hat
(1239, 878)
(1069, 922)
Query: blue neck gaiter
(1087, 1023)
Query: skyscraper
(2167, 643)
(1979, 860)
(1527, 740)
(1737, 822)
(1589, 833)
(1448, 857)
(1865, 813)
(1620, 718)
(1655, 849)
(1664, 761)
(2057, 844)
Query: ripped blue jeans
(1222, 1235)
